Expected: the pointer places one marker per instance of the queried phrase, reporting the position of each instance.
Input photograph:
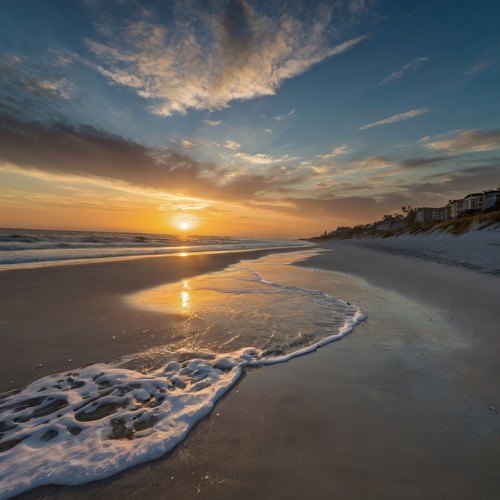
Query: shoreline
(121, 258)
(397, 409)
(470, 299)
(61, 317)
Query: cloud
(30, 87)
(325, 184)
(232, 145)
(208, 56)
(290, 114)
(371, 163)
(412, 65)
(470, 141)
(187, 144)
(354, 208)
(421, 162)
(263, 159)
(338, 151)
(85, 151)
(420, 9)
(213, 123)
(479, 67)
(397, 118)
(457, 183)
(490, 60)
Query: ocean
(23, 246)
(92, 422)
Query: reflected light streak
(185, 300)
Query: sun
(183, 222)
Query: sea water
(22, 246)
(89, 423)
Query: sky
(238, 117)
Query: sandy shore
(404, 407)
(54, 319)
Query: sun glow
(184, 222)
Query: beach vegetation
(390, 226)
(456, 226)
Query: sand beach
(249, 250)
(406, 406)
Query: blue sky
(243, 117)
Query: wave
(49, 246)
(90, 423)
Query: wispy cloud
(213, 123)
(32, 87)
(290, 114)
(412, 65)
(232, 145)
(85, 153)
(325, 184)
(372, 163)
(263, 159)
(469, 141)
(338, 151)
(422, 162)
(397, 118)
(490, 60)
(214, 55)
(187, 144)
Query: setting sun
(182, 222)
(193, 192)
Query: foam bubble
(90, 423)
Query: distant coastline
(392, 227)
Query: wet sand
(58, 318)
(404, 407)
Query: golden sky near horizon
(241, 117)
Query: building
(390, 224)
(441, 214)
(490, 199)
(473, 202)
(456, 208)
(424, 214)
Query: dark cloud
(358, 208)
(437, 189)
(85, 151)
(469, 141)
(236, 25)
(424, 162)
(464, 181)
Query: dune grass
(456, 227)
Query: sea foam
(90, 423)
(20, 246)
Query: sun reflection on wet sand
(185, 296)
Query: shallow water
(93, 422)
(23, 246)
